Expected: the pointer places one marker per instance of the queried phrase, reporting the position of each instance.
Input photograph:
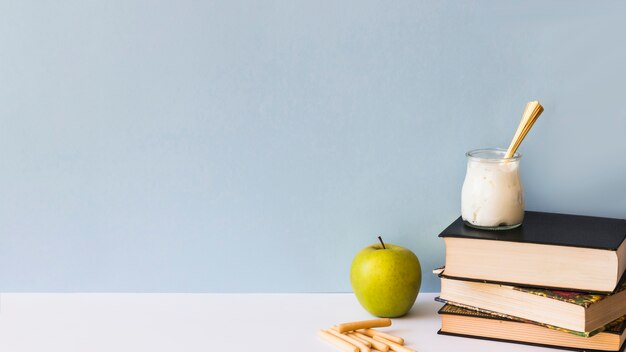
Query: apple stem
(381, 242)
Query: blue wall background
(242, 146)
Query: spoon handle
(531, 113)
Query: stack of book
(558, 281)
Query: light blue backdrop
(244, 146)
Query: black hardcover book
(551, 229)
(559, 251)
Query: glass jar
(492, 196)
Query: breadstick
(372, 333)
(364, 324)
(354, 336)
(394, 346)
(350, 340)
(376, 344)
(337, 342)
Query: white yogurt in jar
(492, 195)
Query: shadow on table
(423, 309)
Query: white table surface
(205, 322)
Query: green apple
(386, 279)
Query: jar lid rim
(492, 155)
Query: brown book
(464, 322)
(559, 251)
(578, 311)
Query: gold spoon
(531, 113)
